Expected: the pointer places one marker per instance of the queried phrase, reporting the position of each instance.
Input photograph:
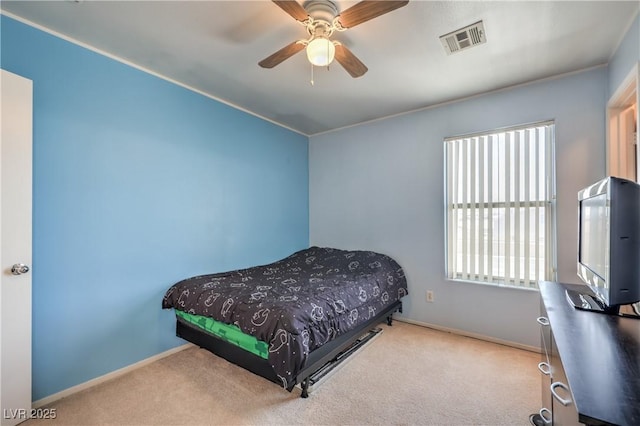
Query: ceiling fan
(321, 19)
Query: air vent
(463, 38)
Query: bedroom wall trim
(117, 373)
(468, 334)
(464, 99)
(139, 67)
(106, 377)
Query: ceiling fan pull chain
(312, 82)
(328, 62)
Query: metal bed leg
(389, 320)
(305, 388)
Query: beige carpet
(409, 375)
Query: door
(15, 247)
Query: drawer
(564, 409)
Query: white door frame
(623, 117)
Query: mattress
(296, 304)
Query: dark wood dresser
(590, 363)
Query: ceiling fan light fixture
(321, 51)
(321, 19)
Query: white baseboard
(82, 386)
(469, 334)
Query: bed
(302, 311)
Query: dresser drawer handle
(542, 321)
(561, 400)
(546, 419)
(544, 368)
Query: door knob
(19, 269)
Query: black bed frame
(316, 360)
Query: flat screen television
(608, 245)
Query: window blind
(500, 200)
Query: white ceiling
(215, 46)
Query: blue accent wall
(139, 183)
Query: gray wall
(380, 186)
(626, 56)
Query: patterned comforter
(296, 304)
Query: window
(500, 193)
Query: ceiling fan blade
(293, 8)
(367, 10)
(282, 54)
(350, 62)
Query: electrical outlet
(429, 296)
